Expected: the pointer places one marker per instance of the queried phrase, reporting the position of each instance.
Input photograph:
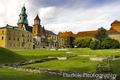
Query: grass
(77, 63)
(11, 74)
(8, 56)
(39, 54)
(115, 65)
(81, 64)
(87, 51)
(43, 53)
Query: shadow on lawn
(8, 56)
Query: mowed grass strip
(39, 54)
(88, 51)
(43, 53)
(11, 74)
(82, 64)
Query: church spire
(37, 17)
(23, 10)
(23, 16)
(37, 20)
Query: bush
(106, 43)
(95, 44)
(83, 43)
(109, 43)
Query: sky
(63, 15)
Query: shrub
(83, 43)
(109, 43)
(95, 44)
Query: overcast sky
(63, 15)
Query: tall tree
(101, 34)
(69, 41)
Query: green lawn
(38, 54)
(104, 52)
(8, 56)
(11, 74)
(76, 63)
(43, 53)
(73, 64)
(87, 51)
(116, 66)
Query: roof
(115, 22)
(65, 34)
(12, 27)
(86, 34)
(50, 32)
(37, 17)
(115, 26)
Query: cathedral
(25, 36)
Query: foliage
(106, 43)
(95, 44)
(69, 41)
(109, 43)
(101, 34)
(103, 67)
(83, 43)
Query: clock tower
(23, 21)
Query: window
(10, 45)
(2, 38)
(18, 39)
(9, 38)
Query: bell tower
(23, 21)
(36, 31)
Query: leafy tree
(109, 43)
(69, 41)
(84, 42)
(101, 34)
(95, 44)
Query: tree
(95, 44)
(69, 41)
(84, 42)
(109, 43)
(101, 34)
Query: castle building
(62, 39)
(13, 38)
(113, 32)
(52, 39)
(39, 34)
(24, 36)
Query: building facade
(24, 36)
(15, 39)
(113, 32)
(64, 39)
(52, 40)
